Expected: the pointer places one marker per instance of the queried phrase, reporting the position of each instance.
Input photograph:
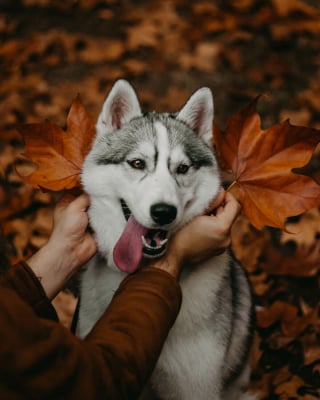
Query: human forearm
(114, 361)
(52, 269)
(69, 247)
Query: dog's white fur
(196, 355)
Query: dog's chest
(196, 334)
(98, 285)
(200, 287)
(201, 290)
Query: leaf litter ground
(51, 51)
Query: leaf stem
(234, 189)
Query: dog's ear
(198, 114)
(120, 107)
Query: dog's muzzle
(154, 241)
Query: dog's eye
(137, 164)
(183, 169)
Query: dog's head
(148, 174)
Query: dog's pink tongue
(127, 253)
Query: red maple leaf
(58, 154)
(262, 162)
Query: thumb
(216, 202)
(65, 200)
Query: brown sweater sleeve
(23, 281)
(40, 359)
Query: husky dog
(148, 175)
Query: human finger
(66, 198)
(218, 200)
(219, 211)
(232, 202)
(230, 210)
(63, 202)
(81, 202)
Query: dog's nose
(163, 213)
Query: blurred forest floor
(52, 50)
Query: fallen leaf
(278, 311)
(288, 389)
(58, 154)
(248, 243)
(304, 262)
(305, 231)
(292, 324)
(41, 227)
(262, 162)
(19, 230)
(285, 7)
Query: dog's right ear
(120, 107)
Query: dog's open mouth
(137, 241)
(154, 242)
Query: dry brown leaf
(304, 262)
(285, 7)
(286, 314)
(304, 231)
(58, 154)
(262, 162)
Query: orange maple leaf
(262, 162)
(58, 154)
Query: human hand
(70, 234)
(69, 247)
(204, 237)
(208, 235)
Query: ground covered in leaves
(50, 51)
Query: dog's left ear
(120, 107)
(198, 114)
